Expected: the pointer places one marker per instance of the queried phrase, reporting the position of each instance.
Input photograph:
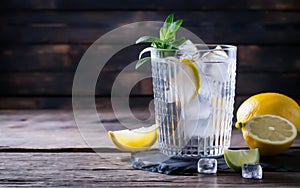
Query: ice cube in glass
(188, 50)
(213, 64)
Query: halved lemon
(236, 158)
(268, 103)
(134, 140)
(271, 134)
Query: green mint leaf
(164, 29)
(142, 61)
(169, 19)
(177, 42)
(177, 24)
(166, 40)
(171, 34)
(162, 33)
(148, 39)
(159, 45)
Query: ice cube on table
(188, 50)
(252, 171)
(207, 166)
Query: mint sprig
(166, 40)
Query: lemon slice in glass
(236, 158)
(271, 134)
(185, 83)
(195, 75)
(134, 140)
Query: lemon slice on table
(134, 140)
(236, 158)
(271, 134)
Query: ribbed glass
(198, 126)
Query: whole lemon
(268, 103)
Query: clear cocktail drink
(193, 98)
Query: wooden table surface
(45, 148)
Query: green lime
(236, 158)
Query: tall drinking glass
(193, 99)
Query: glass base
(194, 150)
(155, 161)
(150, 158)
(147, 158)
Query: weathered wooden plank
(65, 57)
(48, 58)
(61, 84)
(57, 84)
(213, 27)
(62, 57)
(90, 169)
(23, 135)
(89, 35)
(111, 19)
(153, 5)
(32, 102)
(28, 129)
(63, 102)
(257, 83)
(255, 58)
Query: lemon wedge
(271, 134)
(134, 140)
(236, 158)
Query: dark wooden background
(41, 43)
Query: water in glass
(194, 125)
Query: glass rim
(224, 47)
(208, 47)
